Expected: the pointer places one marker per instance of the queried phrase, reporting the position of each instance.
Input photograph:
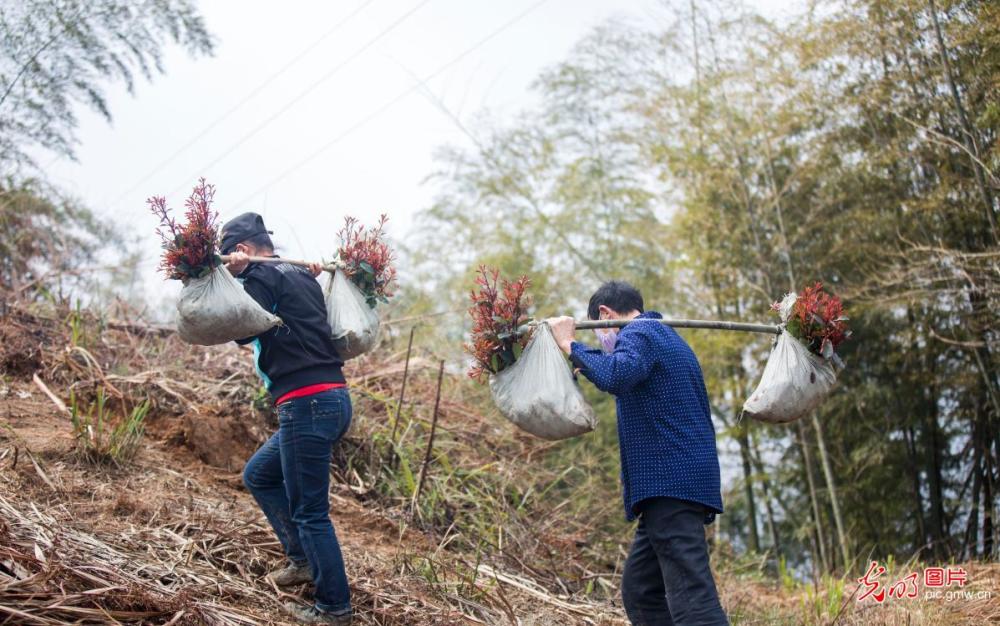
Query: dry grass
(174, 536)
(752, 599)
(157, 544)
(497, 536)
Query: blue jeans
(289, 476)
(667, 579)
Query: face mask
(608, 338)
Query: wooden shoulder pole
(771, 329)
(330, 267)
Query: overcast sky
(309, 113)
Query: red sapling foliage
(819, 321)
(367, 259)
(189, 249)
(498, 309)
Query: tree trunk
(987, 501)
(934, 479)
(766, 485)
(817, 518)
(969, 132)
(971, 540)
(748, 485)
(845, 549)
(920, 538)
(928, 408)
(817, 568)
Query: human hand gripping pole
(237, 262)
(564, 331)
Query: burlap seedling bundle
(215, 309)
(795, 381)
(539, 394)
(354, 324)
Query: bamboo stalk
(329, 267)
(772, 329)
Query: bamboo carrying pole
(772, 329)
(329, 267)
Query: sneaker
(292, 574)
(312, 615)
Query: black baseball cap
(241, 228)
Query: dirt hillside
(174, 538)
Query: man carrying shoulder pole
(289, 475)
(669, 463)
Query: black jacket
(300, 352)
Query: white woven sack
(795, 381)
(215, 309)
(539, 394)
(354, 324)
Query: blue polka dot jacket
(665, 432)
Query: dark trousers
(667, 579)
(289, 476)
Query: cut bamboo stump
(415, 503)
(402, 395)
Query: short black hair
(261, 241)
(618, 296)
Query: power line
(394, 100)
(249, 96)
(485, 154)
(288, 105)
